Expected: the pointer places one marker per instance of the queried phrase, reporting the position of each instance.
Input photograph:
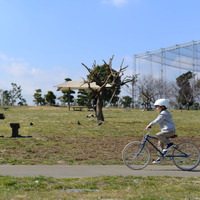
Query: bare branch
(88, 82)
(122, 64)
(105, 82)
(89, 70)
(94, 65)
(110, 62)
(110, 74)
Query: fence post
(15, 127)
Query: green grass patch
(106, 187)
(58, 139)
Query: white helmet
(161, 102)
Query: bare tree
(151, 89)
(174, 91)
(94, 76)
(147, 89)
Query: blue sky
(42, 42)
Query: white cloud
(30, 78)
(34, 70)
(11, 66)
(129, 60)
(119, 2)
(115, 2)
(17, 69)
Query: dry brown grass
(57, 139)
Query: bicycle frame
(164, 155)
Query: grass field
(58, 139)
(112, 188)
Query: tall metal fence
(167, 63)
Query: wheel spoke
(133, 156)
(186, 156)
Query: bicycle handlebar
(149, 129)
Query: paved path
(70, 171)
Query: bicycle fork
(143, 144)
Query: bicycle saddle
(173, 136)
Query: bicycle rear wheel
(186, 156)
(132, 156)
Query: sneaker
(158, 161)
(169, 146)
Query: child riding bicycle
(166, 124)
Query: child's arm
(159, 119)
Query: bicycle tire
(134, 161)
(186, 163)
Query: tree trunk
(69, 99)
(99, 111)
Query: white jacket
(165, 122)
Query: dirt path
(70, 171)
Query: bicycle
(136, 155)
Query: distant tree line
(13, 96)
(184, 93)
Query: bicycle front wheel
(133, 157)
(186, 156)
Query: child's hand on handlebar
(148, 127)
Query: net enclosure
(168, 63)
